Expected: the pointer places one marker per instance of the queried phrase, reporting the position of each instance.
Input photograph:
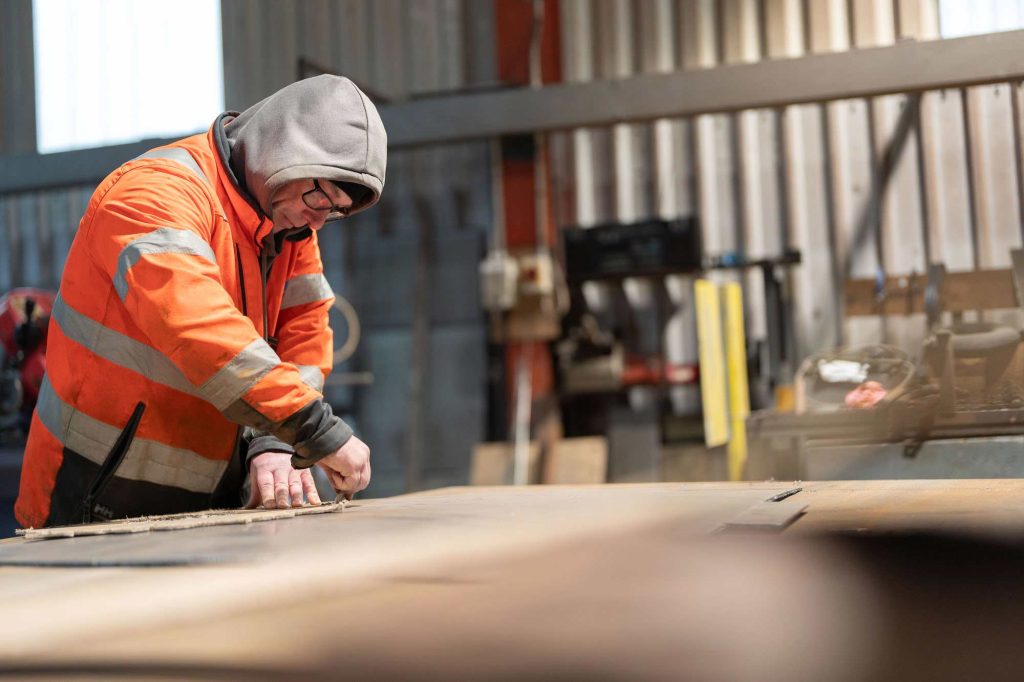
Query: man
(189, 343)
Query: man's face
(292, 205)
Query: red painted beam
(514, 25)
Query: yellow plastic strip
(739, 391)
(712, 364)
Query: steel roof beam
(905, 67)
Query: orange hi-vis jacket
(166, 337)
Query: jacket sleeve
(304, 336)
(152, 235)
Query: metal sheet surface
(377, 525)
(609, 582)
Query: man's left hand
(275, 484)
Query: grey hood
(323, 127)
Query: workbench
(846, 580)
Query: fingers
(349, 459)
(295, 487)
(281, 484)
(277, 485)
(309, 486)
(254, 495)
(349, 467)
(350, 485)
(363, 479)
(265, 485)
(337, 480)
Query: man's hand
(275, 484)
(348, 467)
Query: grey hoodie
(323, 127)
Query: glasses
(319, 200)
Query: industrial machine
(954, 411)
(24, 317)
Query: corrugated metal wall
(803, 176)
(760, 181)
(36, 230)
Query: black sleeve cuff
(265, 442)
(315, 432)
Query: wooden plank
(961, 291)
(492, 463)
(577, 461)
(571, 461)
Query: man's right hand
(348, 467)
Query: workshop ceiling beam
(906, 67)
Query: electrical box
(643, 249)
(521, 284)
(536, 274)
(499, 281)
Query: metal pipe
(524, 399)
(1018, 162)
(922, 190)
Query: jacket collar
(255, 223)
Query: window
(971, 17)
(113, 71)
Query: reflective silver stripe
(235, 378)
(119, 349)
(175, 154)
(222, 389)
(312, 377)
(146, 460)
(161, 240)
(306, 289)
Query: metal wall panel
(808, 176)
(17, 78)
(36, 230)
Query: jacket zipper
(237, 456)
(265, 266)
(241, 280)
